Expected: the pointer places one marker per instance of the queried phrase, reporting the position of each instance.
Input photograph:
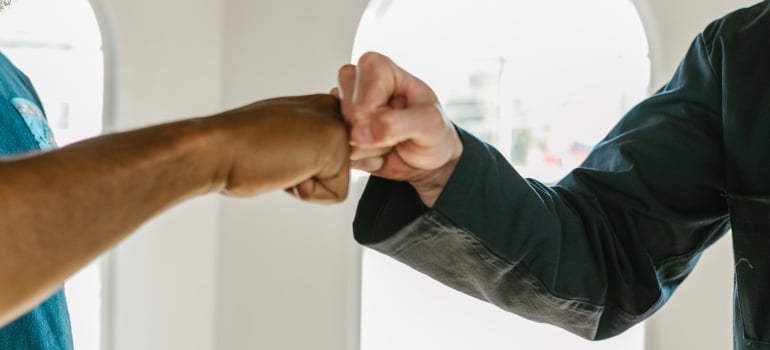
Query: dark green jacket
(607, 246)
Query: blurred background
(543, 81)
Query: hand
(398, 128)
(290, 142)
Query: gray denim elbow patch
(453, 256)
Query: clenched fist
(288, 142)
(397, 126)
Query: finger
(421, 125)
(397, 102)
(379, 81)
(331, 181)
(362, 153)
(335, 92)
(337, 187)
(395, 168)
(329, 190)
(304, 189)
(293, 192)
(376, 82)
(368, 164)
(346, 78)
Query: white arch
(654, 41)
(109, 108)
(109, 51)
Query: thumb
(377, 81)
(389, 127)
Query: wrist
(203, 143)
(430, 187)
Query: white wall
(167, 64)
(272, 273)
(285, 266)
(288, 271)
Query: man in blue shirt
(23, 129)
(61, 208)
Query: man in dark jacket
(607, 246)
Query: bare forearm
(61, 209)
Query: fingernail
(368, 164)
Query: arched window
(58, 45)
(543, 81)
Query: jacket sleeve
(599, 251)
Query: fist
(398, 128)
(298, 142)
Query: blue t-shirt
(23, 129)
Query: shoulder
(738, 40)
(749, 19)
(750, 25)
(12, 80)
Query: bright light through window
(543, 81)
(57, 43)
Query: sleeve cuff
(387, 206)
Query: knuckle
(370, 58)
(325, 99)
(335, 132)
(346, 72)
(374, 64)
